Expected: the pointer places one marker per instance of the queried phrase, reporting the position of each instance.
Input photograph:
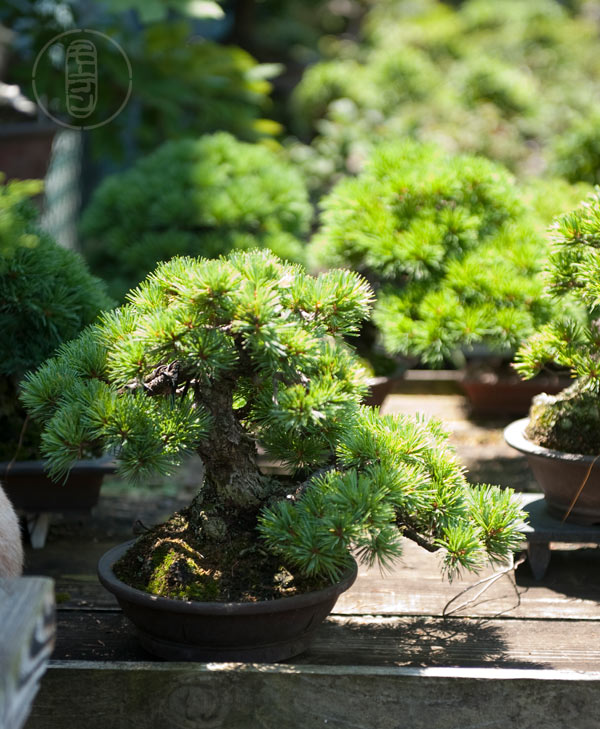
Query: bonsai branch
(416, 537)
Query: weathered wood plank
(413, 587)
(28, 628)
(234, 696)
(377, 641)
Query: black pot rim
(131, 594)
(105, 464)
(514, 435)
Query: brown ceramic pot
(497, 395)
(25, 149)
(31, 490)
(560, 476)
(379, 389)
(265, 631)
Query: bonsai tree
(191, 197)
(47, 296)
(577, 152)
(569, 421)
(218, 356)
(446, 243)
(501, 80)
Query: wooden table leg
(37, 528)
(538, 554)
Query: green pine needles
(194, 197)
(446, 243)
(571, 420)
(47, 296)
(514, 81)
(221, 356)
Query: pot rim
(106, 464)
(144, 599)
(514, 435)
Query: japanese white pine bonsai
(570, 421)
(219, 356)
(47, 296)
(202, 196)
(449, 246)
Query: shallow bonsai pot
(26, 148)
(560, 476)
(266, 631)
(379, 389)
(496, 395)
(31, 490)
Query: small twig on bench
(487, 582)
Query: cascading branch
(220, 356)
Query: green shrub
(577, 152)
(47, 296)
(448, 246)
(221, 355)
(503, 80)
(570, 421)
(201, 197)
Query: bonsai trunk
(234, 488)
(210, 550)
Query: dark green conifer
(219, 356)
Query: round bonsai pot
(266, 631)
(31, 490)
(560, 476)
(490, 394)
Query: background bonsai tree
(192, 197)
(448, 245)
(220, 355)
(570, 421)
(502, 80)
(47, 296)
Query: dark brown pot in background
(32, 491)
(491, 394)
(265, 631)
(560, 476)
(379, 389)
(25, 149)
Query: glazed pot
(31, 490)
(266, 631)
(560, 476)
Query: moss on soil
(172, 561)
(568, 422)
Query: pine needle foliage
(514, 81)
(571, 275)
(47, 296)
(570, 420)
(448, 246)
(202, 196)
(220, 356)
